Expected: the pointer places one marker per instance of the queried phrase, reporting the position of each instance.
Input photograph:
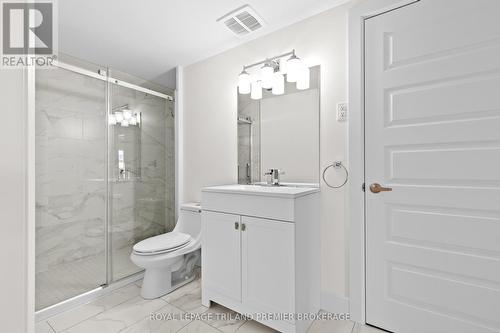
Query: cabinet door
(221, 254)
(268, 278)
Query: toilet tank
(189, 221)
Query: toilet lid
(163, 242)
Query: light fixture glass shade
(266, 75)
(278, 84)
(244, 83)
(127, 114)
(119, 116)
(283, 67)
(112, 119)
(293, 68)
(256, 92)
(304, 78)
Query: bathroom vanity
(261, 252)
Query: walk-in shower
(105, 177)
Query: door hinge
(363, 187)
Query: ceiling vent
(242, 21)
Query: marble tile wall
(250, 109)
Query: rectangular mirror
(280, 132)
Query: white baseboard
(333, 303)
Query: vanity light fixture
(119, 116)
(271, 75)
(127, 114)
(124, 117)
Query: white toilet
(169, 259)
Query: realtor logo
(28, 33)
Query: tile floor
(124, 310)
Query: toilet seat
(167, 242)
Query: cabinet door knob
(243, 227)
(236, 225)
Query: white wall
(13, 203)
(210, 138)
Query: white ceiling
(148, 38)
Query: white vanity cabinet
(260, 252)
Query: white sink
(290, 191)
(308, 185)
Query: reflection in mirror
(280, 132)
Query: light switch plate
(342, 111)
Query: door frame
(358, 13)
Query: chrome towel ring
(336, 165)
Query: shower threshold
(85, 297)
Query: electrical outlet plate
(342, 111)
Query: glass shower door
(141, 173)
(70, 184)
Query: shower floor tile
(67, 280)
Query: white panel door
(221, 254)
(432, 73)
(268, 265)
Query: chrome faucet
(274, 178)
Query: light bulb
(293, 67)
(303, 78)
(244, 82)
(266, 75)
(112, 119)
(125, 123)
(127, 114)
(278, 84)
(119, 116)
(256, 92)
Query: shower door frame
(109, 285)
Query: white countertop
(269, 191)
